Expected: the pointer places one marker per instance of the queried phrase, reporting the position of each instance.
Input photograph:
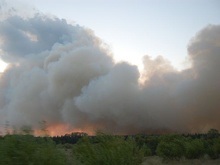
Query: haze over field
(63, 74)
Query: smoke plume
(62, 74)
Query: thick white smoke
(61, 73)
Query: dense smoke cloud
(61, 73)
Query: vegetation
(108, 150)
(27, 149)
(171, 147)
(103, 149)
(194, 148)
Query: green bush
(147, 150)
(141, 142)
(213, 148)
(27, 149)
(171, 147)
(108, 150)
(194, 149)
(152, 142)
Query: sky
(134, 28)
(77, 66)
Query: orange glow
(61, 129)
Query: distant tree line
(171, 146)
(104, 149)
(72, 138)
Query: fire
(61, 129)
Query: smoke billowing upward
(61, 73)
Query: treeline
(72, 138)
(104, 149)
(75, 136)
(18, 149)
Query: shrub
(142, 144)
(27, 149)
(108, 150)
(171, 147)
(152, 142)
(147, 150)
(213, 148)
(194, 149)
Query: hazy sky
(134, 28)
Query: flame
(62, 129)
